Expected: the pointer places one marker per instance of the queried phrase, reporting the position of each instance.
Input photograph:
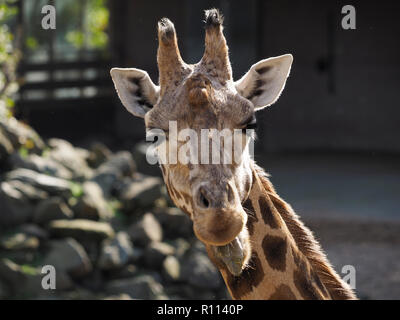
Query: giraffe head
(205, 96)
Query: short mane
(306, 243)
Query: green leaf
(23, 152)
(75, 38)
(29, 270)
(9, 102)
(31, 43)
(76, 189)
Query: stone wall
(110, 231)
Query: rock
(181, 247)
(81, 229)
(146, 230)
(121, 162)
(16, 208)
(19, 241)
(138, 255)
(139, 155)
(79, 294)
(11, 272)
(42, 165)
(141, 192)
(116, 167)
(83, 153)
(200, 272)
(34, 230)
(127, 271)
(115, 253)
(4, 291)
(6, 147)
(93, 281)
(175, 223)
(69, 256)
(195, 293)
(155, 254)
(122, 296)
(44, 182)
(106, 180)
(52, 209)
(74, 159)
(92, 248)
(20, 134)
(22, 257)
(28, 192)
(140, 287)
(171, 269)
(99, 153)
(64, 281)
(21, 279)
(92, 205)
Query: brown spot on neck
(306, 285)
(251, 215)
(267, 214)
(283, 292)
(306, 242)
(306, 280)
(275, 249)
(250, 278)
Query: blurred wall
(342, 92)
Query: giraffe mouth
(232, 255)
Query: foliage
(29, 270)
(76, 189)
(93, 35)
(23, 152)
(115, 207)
(9, 57)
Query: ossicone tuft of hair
(213, 18)
(166, 29)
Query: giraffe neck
(286, 263)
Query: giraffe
(256, 240)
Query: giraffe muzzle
(218, 216)
(219, 221)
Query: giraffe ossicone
(258, 243)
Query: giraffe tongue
(232, 256)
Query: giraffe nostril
(230, 195)
(203, 200)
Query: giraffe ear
(265, 80)
(137, 92)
